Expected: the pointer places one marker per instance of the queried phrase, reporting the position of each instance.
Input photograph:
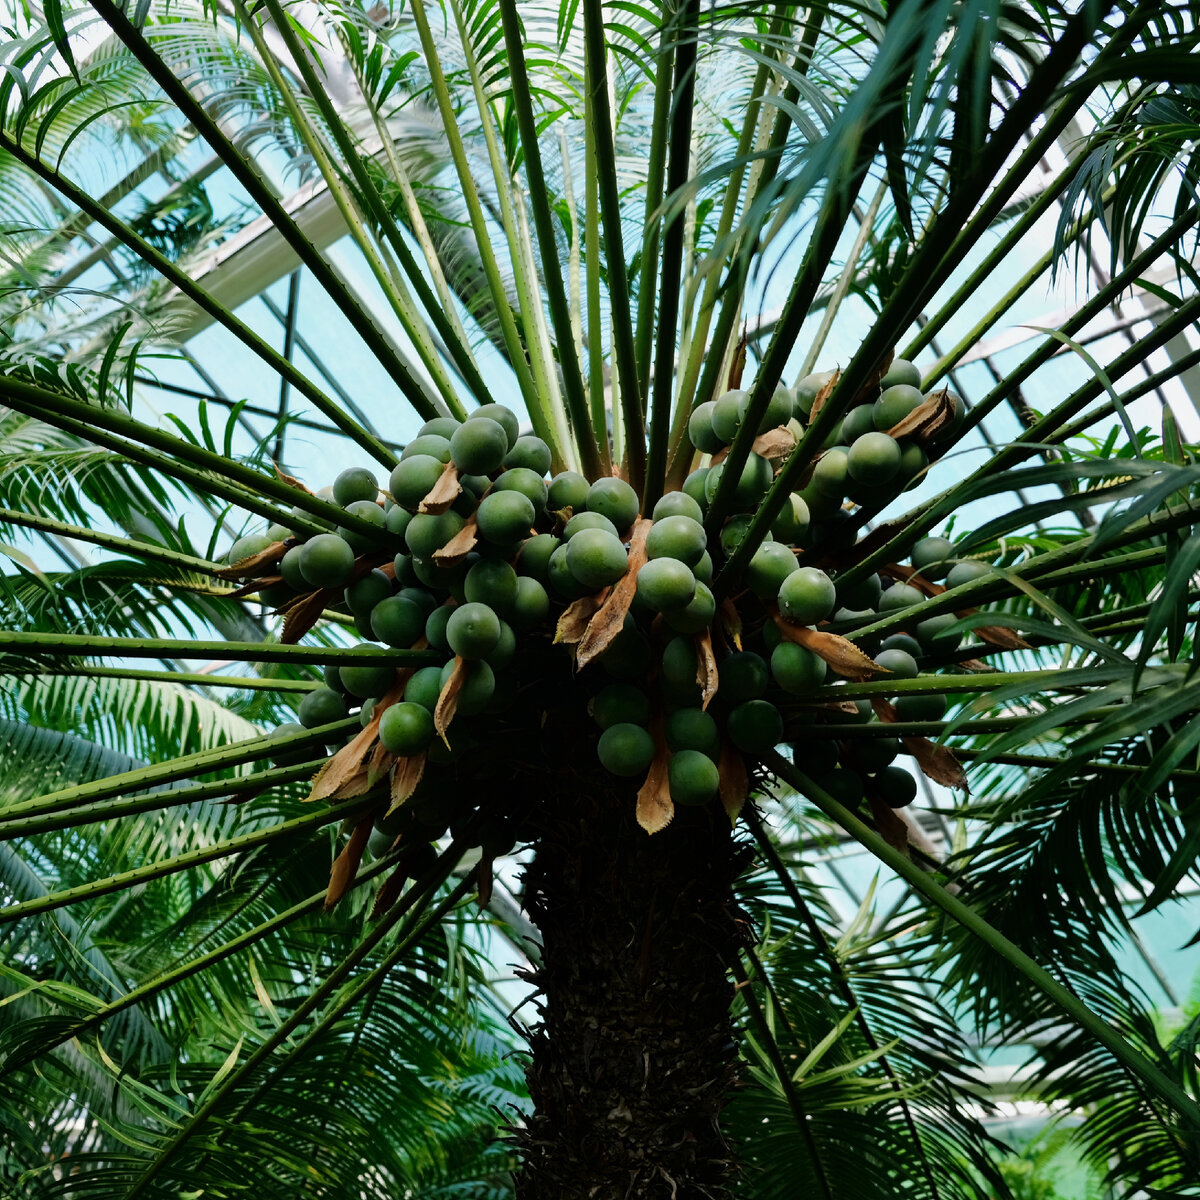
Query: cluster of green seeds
(477, 549)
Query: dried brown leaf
(484, 875)
(731, 623)
(443, 493)
(406, 775)
(1000, 635)
(389, 890)
(292, 481)
(734, 784)
(937, 762)
(655, 808)
(868, 389)
(885, 710)
(912, 578)
(823, 395)
(973, 664)
(609, 618)
(928, 419)
(246, 567)
(737, 364)
(843, 656)
(249, 589)
(573, 624)
(706, 667)
(447, 704)
(890, 825)
(351, 759)
(303, 615)
(775, 443)
(459, 546)
(380, 763)
(345, 866)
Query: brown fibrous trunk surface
(633, 1056)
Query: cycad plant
(673, 475)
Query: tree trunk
(634, 1055)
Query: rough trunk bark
(634, 1054)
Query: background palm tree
(603, 215)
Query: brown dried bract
(655, 808)
(444, 492)
(731, 623)
(349, 765)
(379, 764)
(573, 624)
(890, 825)
(292, 481)
(775, 443)
(485, 876)
(249, 589)
(459, 546)
(447, 704)
(928, 419)
(823, 395)
(406, 775)
(706, 667)
(843, 656)
(303, 615)
(609, 618)
(345, 866)
(937, 762)
(245, 567)
(389, 890)
(734, 786)
(1001, 636)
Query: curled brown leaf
(249, 566)
(345, 866)
(655, 808)
(609, 619)
(706, 667)
(928, 419)
(573, 624)
(406, 775)
(443, 493)
(459, 546)
(734, 780)
(447, 703)
(775, 443)
(823, 395)
(843, 656)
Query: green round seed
(677, 504)
(807, 596)
(666, 584)
(677, 537)
(327, 561)
(397, 622)
(755, 726)
(355, 483)
(473, 630)
(406, 729)
(693, 729)
(625, 749)
(596, 558)
(478, 446)
(620, 702)
(568, 489)
(615, 499)
(692, 778)
(321, 707)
